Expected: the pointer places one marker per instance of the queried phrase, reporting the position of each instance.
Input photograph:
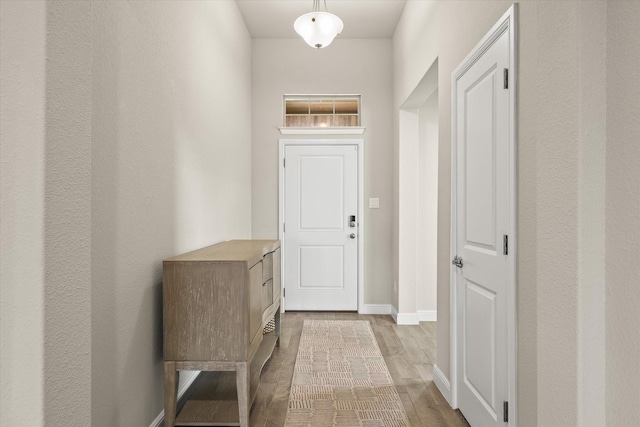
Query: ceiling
(362, 18)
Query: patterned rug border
(341, 379)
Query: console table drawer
(255, 301)
(267, 267)
(277, 284)
(267, 294)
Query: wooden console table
(218, 303)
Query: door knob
(352, 235)
(457, 261)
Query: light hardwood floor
(409, 352)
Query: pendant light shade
(317, 28)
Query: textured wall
(348, 66)
(622, 208)
(551, 60)
(22, 145)
(171, 173)
(67, 199)
(591, 227)
(124, 141)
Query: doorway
(321, 224)
(418, 203)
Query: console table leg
(242, 384)
(170, 393)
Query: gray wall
(290, 66)
(171, 173)
(46, 197)
(146, 154)
(67, 207)
(22, 146)
(622, 219)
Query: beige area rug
(341, 379)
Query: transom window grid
(322, 111)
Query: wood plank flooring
(409, 352)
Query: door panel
(321, 267)
(321, 192)
(480, 343)
(479, 140)
(482, 108)
(321, 255)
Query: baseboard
(190, 377)
(404, 318)
(442, 382)
(407, 319)
(375, 309)
(428, 315)
(413, 318)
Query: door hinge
(505, 245)
(284, 227)
(284, 292)
(505, 412)
(506, 78)
(284, 163)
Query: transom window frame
(325, 108)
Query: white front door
(482, 224)
(321, 227)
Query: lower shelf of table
(213, 399)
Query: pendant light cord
(316, 6)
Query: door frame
(359, 144)
(508, 22)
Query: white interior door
(320, 240)
(482, 224)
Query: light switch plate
(374, 203)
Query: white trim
(443, 384)
(359, 142)
(508, 22)
(428, 315)
(407, 319)
(354, 130)
(512, 291)
(411, 318)
(190, 377)
(375, 309)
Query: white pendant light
(317, 28)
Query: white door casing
(319, 193)
(483, 230)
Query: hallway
(132, 131)
(409, 352)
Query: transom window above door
(321, 111)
